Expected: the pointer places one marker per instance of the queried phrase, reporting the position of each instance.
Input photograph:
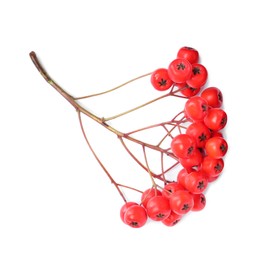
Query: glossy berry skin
(213, 96)
(135, 216)
(194, 160)
(148, 194)
(172, 219)
(181, 202)
(189, 54)
(181, 177)
(196, 182)
(199, 202)
(187, 91)
(124, 209)
(160, 79)
(216, 147)
(171, 188)
(180, 70)
(183, 145)
(212, 167)
(196, 108)
(215, 119)
(158, 208)
(199, 76)
(200, 132)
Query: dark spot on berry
(134, 223)
(200, 185)
(162, 82)
(218, 167)
(180, 66)
(202, 137)
(204, 107)
(190, 150)
(202, 200)
(160, 215)
(223, 148)
(189, 48)
(220, 97)
(223, 121)
(196, 70)
(175, 222)
(185, 207)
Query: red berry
(216, 147)
(161, 80)
(158, 208)
(213, 96)
(180, 70)
(171, 188)
(212, 167)
(215, 119)
(194, 160)
(196, 108)
(172, 219)
(187, 91)
(136, 216)
(181, 177)
(200, 132)
(196, 182)
(189, 54)
(148, 194)
(199, 202)
(183, 145)
(181, 202)
(199, 76)
(124, 209)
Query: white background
(55, 201)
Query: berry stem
(110, 90)
(97, 158)
(121, 136)
(172, 93)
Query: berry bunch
(193, 140)
(199, 150)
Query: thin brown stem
(110, 90)
(148, 168)
(97, 158)
(141, 106)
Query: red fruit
(215, 119)
(171, 188)
(193, 160)
(196, 182)
(124, 209)
(148, 194)
(187, 91)
(158, 208)
(212, 167)
(161, 80)
(172, 219)
(200, 132)
(181, 177)
(213, 96)
(199, 76)
(196, 108)
(180, 70)
(199, 202)
(216, 147)
(181, 202)
(183, 145)
(136, 216)
(189, 54)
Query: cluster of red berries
(200, 150)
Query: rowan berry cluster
(195, 141)
(200, 150)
